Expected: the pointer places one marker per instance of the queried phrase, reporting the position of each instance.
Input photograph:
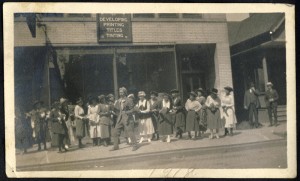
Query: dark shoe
(270, 125)
(39, 149)
(114, 149)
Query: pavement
(34, 160)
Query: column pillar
(115, 75)
(265, 68)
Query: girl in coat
(58, 125)
(146, 128)
(202, 114)
(154, 113)
(105, 119)
(178, 116)
(213, 104)
(80, 121)
(165, 126)
(192, 122)
(228, 113)
(95, 131)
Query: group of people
(104, 119)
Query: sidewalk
(90, 153)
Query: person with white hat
(146, 128)
(213, 104)
(271, 99)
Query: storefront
(259, 55)
(160, 52)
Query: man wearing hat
(271, 99)
(251, 103)
(124, 109)
(178, 110)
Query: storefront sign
(114, 28)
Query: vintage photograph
(168, 91)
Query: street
(268, 154)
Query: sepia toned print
(167, 94)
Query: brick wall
(84, 33)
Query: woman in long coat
(202, 114)
(154, 102)
(228, 112)
(93, 116)
(213, 104)
(146, 128)
(192, 122)
(39, 124)
(165, 126)
(80, 121)
(105, 119)
(178, 116)
(58, 125)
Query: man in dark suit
(251, 103)
(271, 98)
(124, 109)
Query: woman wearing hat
(65, 110)
(213, 104)
(39, 124)
(193, 107)
(154, 113)
(146, 128)
(165, 126)
(105, 120)
(58, 121)
(202, 114)
(178, 113)
(80, 121)
(228, 113)
(93, 110)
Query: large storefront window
(147, 71)
(142, 68)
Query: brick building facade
(184, 51)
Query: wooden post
(115, 74)
(265, 68)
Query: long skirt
(213, 119)
(95, 131)
(192, 122)
(146, 126)
(104, 131)
(54, 140)
(179, 121)
(165, 126)
(80, 128)
(229, 117)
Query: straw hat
(141, 93)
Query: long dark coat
(154, 107)
(179, 117)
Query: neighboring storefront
(93, 54)
(258, 55)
